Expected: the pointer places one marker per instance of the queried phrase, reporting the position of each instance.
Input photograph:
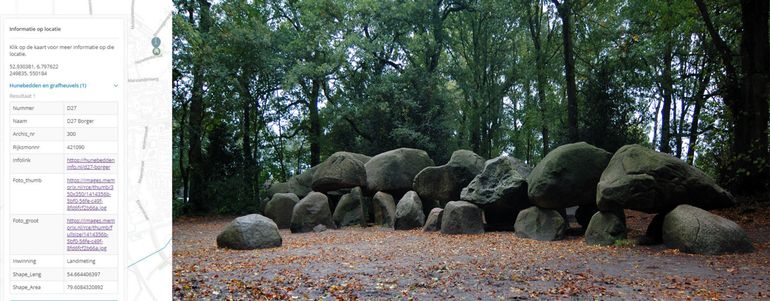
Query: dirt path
(380, 264)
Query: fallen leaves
(378, 264)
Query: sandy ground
(379, 264)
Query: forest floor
(379, 264)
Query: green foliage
(624, 243)
(607, 119)
(301, 79)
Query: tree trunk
(684, 107)
(248, 165)
(544, 132)
(259, 124)
(183, 170)
(680, 128)
(525, 122)
(475, 128)
(534, 32)
(747, 95)
(655, 124)
(279, 152)
(667, 91)
(315, 124)
(494, 126)
(198, 202)
(699, 100)
(182, 147)
(693, 143)
(437, 28)
(565, 12)
(749, 146)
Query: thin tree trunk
(667, 91)
(529, 132)
(699, 100)
(183, 169)
(475, 128)
(279, 151)
(257, 164)
(534, 21)
(680, 129)
(494, 126)
(684, 107)
(246, 99)
(655, 124)
(565, 14)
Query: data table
(62, 151)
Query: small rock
(605, 228)
(433, 222)
(311, 211)
(250, 232)
(409, 213)
(384, 208)
(540, 224)
(280, 208)
(461, 217)
(319, 228)
(349, 210)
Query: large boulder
(694, 230)
(301, 184)
(642, 179)
(605, 228)
(500, 190)
(312, 210)
(567, 176)
(433, 222)
(409, 213)
(340, 170)
(384, 208)
(280, 208)
(444, 183)
(540, 224)
(394, 171)
(349, 210)
(250, 232)
(461, 217)
(277, 187)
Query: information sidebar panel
(63, 104)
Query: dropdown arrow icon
(116, 85)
